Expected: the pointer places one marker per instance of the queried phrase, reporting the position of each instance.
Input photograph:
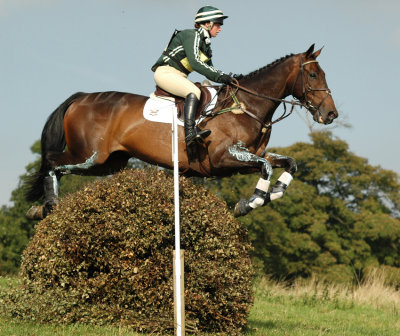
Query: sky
(50, 49)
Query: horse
(97, 133)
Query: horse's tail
(52, 142)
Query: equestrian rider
(190, 50)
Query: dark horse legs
(260, 197)
(51, 187)
(50, 191)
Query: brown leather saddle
(205, 99)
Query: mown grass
(303, 308)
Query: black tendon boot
(50, 194)
(192, 132)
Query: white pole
(178, 271)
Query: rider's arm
(197, 60)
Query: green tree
(339, 215)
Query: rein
(269, 124)
(250, 114)
(302, 102)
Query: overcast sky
(51, 49)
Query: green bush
(105, 256)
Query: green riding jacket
(190, 47)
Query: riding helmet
(209, 14)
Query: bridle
(306, 89)
(303, 101)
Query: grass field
(305, 308)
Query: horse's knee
(291, 166)
(266, 170)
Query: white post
(178, 269)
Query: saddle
(205, 99)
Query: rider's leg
(191, 131)
(176, 82)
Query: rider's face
(216, 28)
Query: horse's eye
(313, 75)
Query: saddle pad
(161, 109)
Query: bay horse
(97, 133)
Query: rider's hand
(225, 79)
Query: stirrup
(202, 133)
(197, 135)
(191, 138)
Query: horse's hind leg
(50, 191)
(51, 184)
(51, 181)
(51, 188)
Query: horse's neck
(274, 82)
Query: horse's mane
(269, 66)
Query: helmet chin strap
(209, 27)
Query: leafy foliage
(105, 256)
(339, 216)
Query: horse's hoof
(242, 208)
(36, 212)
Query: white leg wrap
(282, 183)
(262, 185)
(256, 200)
(276, 195)
(286, 178)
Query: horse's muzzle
(331, 116)
(326, 119)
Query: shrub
(104, 256)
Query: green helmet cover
(209, 14)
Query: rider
(190, 50)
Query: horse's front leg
(281, 161)
(261, 195)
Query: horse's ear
(310, 51)
(316, 54)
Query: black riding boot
(192, 132)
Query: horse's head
(310, 87)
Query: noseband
(307, 89)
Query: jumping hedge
(104, 256)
